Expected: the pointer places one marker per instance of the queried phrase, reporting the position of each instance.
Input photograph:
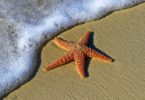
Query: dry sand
(122, 36)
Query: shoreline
(120, 35)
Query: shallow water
(26, 25)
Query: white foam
(26, 24)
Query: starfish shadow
(91, 45)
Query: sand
(121, 35)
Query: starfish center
(78, 46)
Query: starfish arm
(66, 45)
(94, 54)
(61, 61)
(79, 58)
(84, 40)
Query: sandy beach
(121, 35)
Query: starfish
(77, 52)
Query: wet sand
(121, 35)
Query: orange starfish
(77, 52)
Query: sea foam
(26, 24)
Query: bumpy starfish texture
(77, 52)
